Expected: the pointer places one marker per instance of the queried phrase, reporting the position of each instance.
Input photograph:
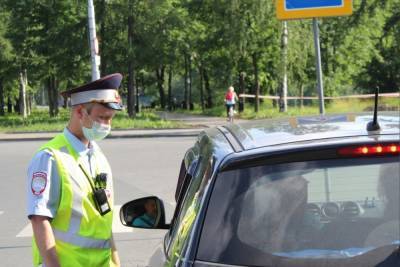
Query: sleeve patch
(39, 183)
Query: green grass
(39, 121)
(331, 107)
(144, 120)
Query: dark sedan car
(319, 191)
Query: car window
(185, 175)
(189, 209)
(181, 178)
(315, 212)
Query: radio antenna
(374, 125)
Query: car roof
(264, 133)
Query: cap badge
(117, 97)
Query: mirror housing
(145, 213)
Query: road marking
(26, 232)
(1, 212)
(117, 225)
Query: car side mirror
(147, 212)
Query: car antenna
(374, 125)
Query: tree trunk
(191, 107)
(53, 97)
(43, 95)
(186, 101)
(256, 84)
(170, 102)
(1, 98)
(241, 90)
(273, 92)
(49, 96)
(142, 83)
(16, 105)
(9, 105)
(28, 95)
(131, 73)
(131, 91)
(208, 89)
(65, 99)
(65, 102)
(137, 94)
(160, 85)
(283, 99)
(29, 104)
(22, 95)
(201, 87)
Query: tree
(255, 34)
(197, 48)
(384, 69)
(6, 54)
(50, 41)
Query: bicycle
(231, 114)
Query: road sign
(300, 9)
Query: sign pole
(285, 38)
(94, 46)
(319, 67)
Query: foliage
(6, 55)
(221, 40)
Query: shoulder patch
(38, 183)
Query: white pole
(285, 36)
(94, 45)
(319, 68)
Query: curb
(156, 135)
(116, 135)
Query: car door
(187, 171)
(176, 243)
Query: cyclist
(230, 100)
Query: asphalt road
(141, 167)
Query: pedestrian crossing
(26, 231)
(117, 226)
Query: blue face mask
(98, 131)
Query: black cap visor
(115, 106)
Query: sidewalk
(200, 121)
(192, 120)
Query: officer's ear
(78, 111)
(82, 110)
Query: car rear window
(317, 213)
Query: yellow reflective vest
(83, 236)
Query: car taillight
(370, 150)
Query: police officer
(70, 194)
